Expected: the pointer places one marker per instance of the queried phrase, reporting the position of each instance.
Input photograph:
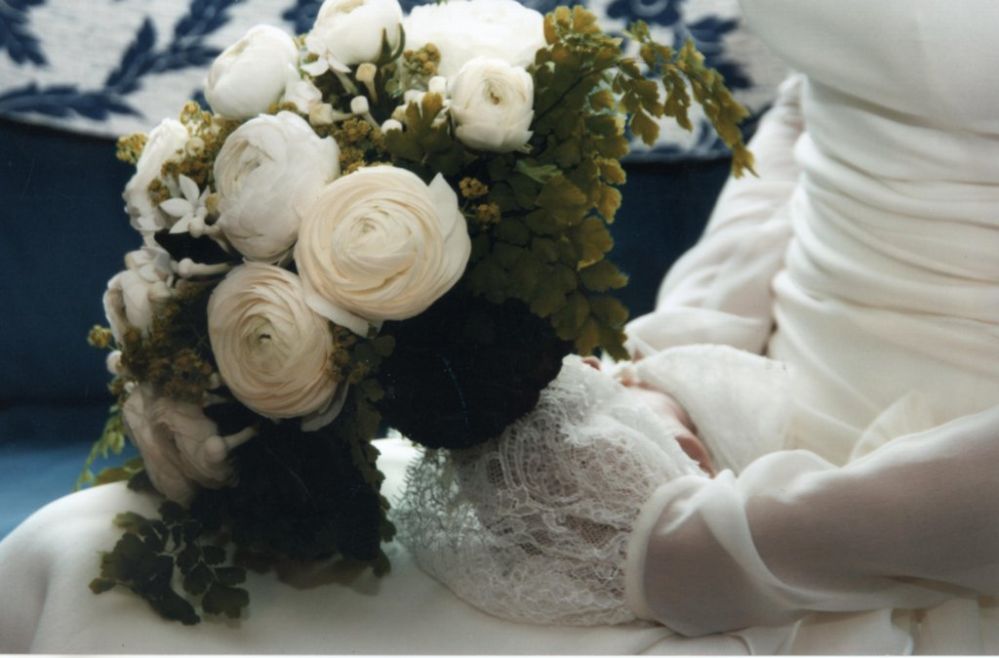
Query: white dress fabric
(46, 606)
(866, 256)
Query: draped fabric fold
(880, 165)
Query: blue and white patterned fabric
(111, 67)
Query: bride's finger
(691, 445)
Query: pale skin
(668, 407)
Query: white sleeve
(907, 526)
(719, 291)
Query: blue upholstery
(65, 233)
(42, 448)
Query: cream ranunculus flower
(180, 446)
(465, 29)
(164, 143)
(268, 171)
(252, 74)
(349, 32)
(380, 244)
(272, 350)
(134, 294)
(492, 104)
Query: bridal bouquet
(389, 221)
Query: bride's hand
(667, 407)
(671, 411)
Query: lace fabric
(533, 526)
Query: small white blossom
(166, 142)
(189, 210)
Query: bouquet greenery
(391, 220)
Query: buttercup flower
(465, 29)
(180, 446)
(132, 295)
(267, 172)
(272, 350)
(165, 142)
(379, 244)
(348, 32)
(492, 104)
(252, 73)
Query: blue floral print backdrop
(110, 67)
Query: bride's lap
(47, 563)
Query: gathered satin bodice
(891, 281)
(895, 214)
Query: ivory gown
(866, 256)
(880, 181)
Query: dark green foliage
(151, 550)
(427, 146)
(111, 442)
(300, 496)
(677, 70)
(119, 473)
(140, 483)
(230, 416)
(176, 356)
(559, 198)
(305, 495)
(200, 250)
(223, 600)
(459, 392)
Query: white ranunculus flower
(465, 29)
(492, 104)
(180, 446)
(164, 143)
(380, 244)
(134, 294)
(303, 94)
(272, 350)
(266, 174)
(349, 32)
(252, 73)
